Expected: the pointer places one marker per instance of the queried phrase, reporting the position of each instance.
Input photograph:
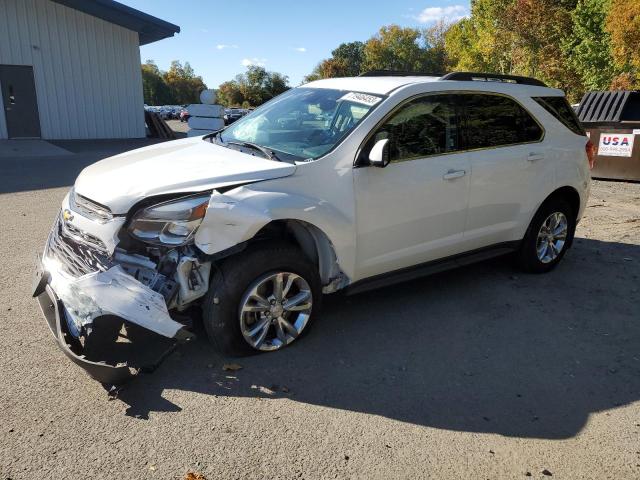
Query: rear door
(510, 168)
(20, 103)
(413, 210)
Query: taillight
(591, 154)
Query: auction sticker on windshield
(616, 144)
(364, 98)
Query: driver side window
(423, 127)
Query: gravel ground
(482, 372)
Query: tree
(185, 86)
(588, 48)
(623, 24)
(539, 28)
(252, 88)
(349, 56)
(397, 48)
(154, 88)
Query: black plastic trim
(429, 268)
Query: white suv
(347, 183)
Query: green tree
(588, 48)
(154, 88)
(350, 57)
(252, 88)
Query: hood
(188, 165)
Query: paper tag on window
(364, 98)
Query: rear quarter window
(496, 120)
(559, 107)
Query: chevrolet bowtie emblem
(67, 215)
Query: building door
(20, 102)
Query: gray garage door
(20, 102)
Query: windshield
(304, 122)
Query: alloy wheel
(552, 237)
(274, 310)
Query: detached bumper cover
(112, 293)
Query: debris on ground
(231, 367)
(547, 473)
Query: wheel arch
(568, 194)
(313, 242)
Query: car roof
(384, 85)
(379, 85)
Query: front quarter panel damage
(230, 220)
(238, 215)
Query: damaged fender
(236, 216)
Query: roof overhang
(150, 29)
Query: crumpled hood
(188, 165)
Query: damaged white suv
(346, 183)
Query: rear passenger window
(423, 127)
(495, 120)
(560, 108)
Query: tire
(529, 258)
(223, 315)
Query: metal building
(70, 69)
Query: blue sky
(219, 38)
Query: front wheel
(261, 300)
(549, 236)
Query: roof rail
(398, 73)
(492, 77)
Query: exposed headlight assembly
(171, 223)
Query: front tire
(262, 299)
(548, 237)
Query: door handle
(534, 157)
(452, 174)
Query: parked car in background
(411, 175)
(233, 114)
(184, 115)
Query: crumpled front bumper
(119, 300)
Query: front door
(413, 210)
(20, 101)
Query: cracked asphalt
(481, 372)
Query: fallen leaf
(231, 367)
(194, 476)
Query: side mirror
(379, 154)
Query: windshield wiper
(270, 154)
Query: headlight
(170, 223)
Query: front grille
(75, 258)
(89, 208)
(79, 236)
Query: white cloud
(449, 14)
(258, 62)
(300, 49)
(222, 46)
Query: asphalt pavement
(481, 372)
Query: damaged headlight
(170, 223)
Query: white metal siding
(87, 70)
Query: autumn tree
(623, 24)
(184, 85)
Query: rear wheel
(261, 300)
(549, 235)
